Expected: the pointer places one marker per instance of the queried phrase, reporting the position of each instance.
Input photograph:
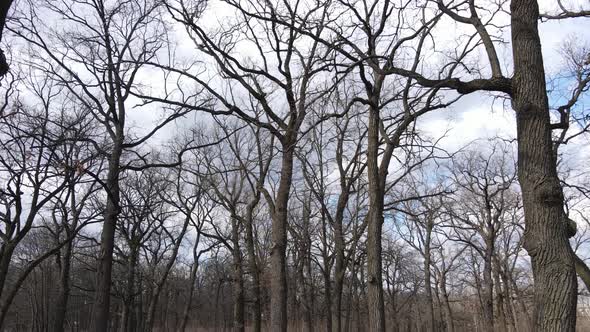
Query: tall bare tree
(285, 66)
(98, 61)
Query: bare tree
(38, 162)
(286, 65)
(485, 181)
(99, 61)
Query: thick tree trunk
(502, 325)
(375, 224)
(488, 288)
(102, 301)
(340, 265)
(5, 257)
(61, 303)
(546, 234)
(278, 273)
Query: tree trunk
(488, 288)
(278, 273)
(546, 235)
(340, 266)
(5, 258)
(309, 298)
(128, 299)
(502, 323)
(238, 279)
(375, 224)
(508, 304)
(328, 293)
(61, 303)
(193, 280)
(304, 272)
(520, 301)
(102, 301)
(327, 273)
(427, 280)
(447, 305)
(253, 266)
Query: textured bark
(487, 292)
(278, 274)
(375, 224)
(101, 308)
(546, 234)
(61, 303)
(6, 252)
(583, 271)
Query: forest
(294, 165)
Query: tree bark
(339, 247)
(61, 303)
(447, 307)
(278, 274)
(6, 252)
(375, 224)
(502, 325)
(128, 300)
(488, 286)
(101, 309)
(428, 280)
(546, 234)
(238, 279)
(253, 266)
